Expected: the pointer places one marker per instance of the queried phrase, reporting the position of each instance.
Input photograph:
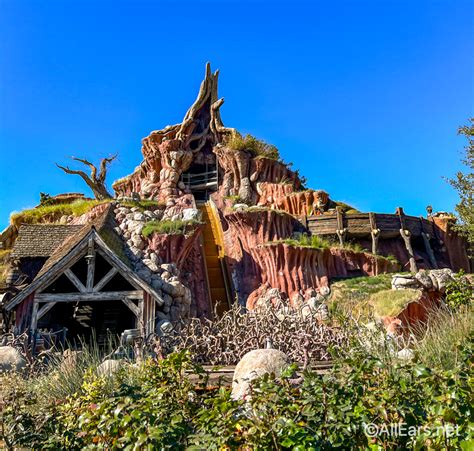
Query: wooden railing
(376, 226)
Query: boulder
(191, 214)
(164, 327)
(11, 359)
(255, 364)
(109, 367)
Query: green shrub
(169, 227)
(459, 292)
(257, 147)
(160, 408)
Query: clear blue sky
(364, 97)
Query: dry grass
(4, 255)
(441, 336)
(257, 147)
(53, 213)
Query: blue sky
(365, 97)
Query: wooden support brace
(341, 231)
(73, 278)
(103, 282)
(374, 233)
(45, 309)
(406, 235)
(129, 303)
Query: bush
(160, 408)
(257, 147)
(169, 227)
(459, 292)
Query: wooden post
(34, 323)
(341, 230)
(406, 235)
(90, 266)
(374, 233)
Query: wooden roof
(41, 240)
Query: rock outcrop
(11, 359)
(255, 364)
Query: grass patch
(249, 143)
(392, 302)
(168, 227)
(52, 213)
(349, 296)
(309, 241)
(439, 343)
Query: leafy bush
(160, 408)
(169, 227)
(257, 147)
(459, 292)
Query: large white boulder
(11, 359)
(109, 367)
(255, 364)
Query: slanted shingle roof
(104, 224)
(41, 240)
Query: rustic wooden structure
(87, 271)
(376, 227)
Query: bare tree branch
(94, 182)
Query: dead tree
(96, 182)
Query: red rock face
(245, 231)
(455, 247)
(185, 251)
(296, 269)
(283, 197)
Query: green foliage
(319, 242)
(311, 241)
(45, 199)
(257, 147)
(53, 213)
(459, 292)
(160, 408)
(169, 227)
(464, 185)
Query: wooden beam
(374, 233)
(128, 302)
(406, 235)
(34, 317)
(103, 282)
(90, 265)
(73, 278)
(88, 297)
(45, 309)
